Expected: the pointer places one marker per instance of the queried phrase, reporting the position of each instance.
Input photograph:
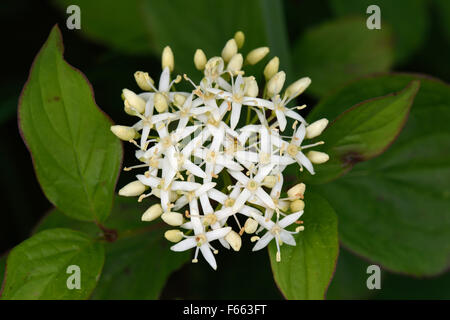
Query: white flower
(203, 166)
(201, 240)
(276, 230)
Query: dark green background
(25, 26)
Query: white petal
(263, 242)
(235, 114)
(185, 185)
(287, 238)
(281, 119)
(208, 255)
(289, 219)
(194, 169)
(150, 181)
(217, 195)
(299, 135)
(264, 197)
(184, 245)
(239, 176)
(240, 201)
(218, 233)
(263, 172)
(294, 115)
(247, 156)
(164, 80)
(303, 160)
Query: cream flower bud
(160, 102)
(297, 205)
(134, 100)
(133, 189)
(297, 88)
(127, 108)
(318, 157)
(214, 67)
(229, 50)
(250, 225)
(256, 55)
(276, 83)
(234, 239)
(199, 59)
(235, 63)
(167, 59)
(269, 181)
(315, 129)
(179, 100)
(124, 133)
(173, 218)
(173, 235)
(271, 68)
(143, 80)
(239, 37)
(152, 213)
(297, 191)
(251, 87)
(283, 205)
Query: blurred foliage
(400, 199)
(118, 39)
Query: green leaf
(363, 132)
(395, 209)
(37, 268)
(139, 263)
(408, 19)
(338, 51)
(75, 155)
(306, 269)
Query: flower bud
(167, 59)
(134, 100)
(315, 129)
(199, 59)
(251, 87)
(250, 225)
(179, 100)
(214, 67)
(133, 189)
(283, 205)
(143, 80)
(173, 218)
(256, 55)
(152, 213)
(235, 63)
(297, 205)
(297, 88)
(234, 239)
(160, 102)
(271, 68)
(297, 191)
(275, 84)
(124, 133)
(318, 157)
(229, 50)
(270, 181)
(173, 235)
(239, 37)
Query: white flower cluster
(217, 151)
